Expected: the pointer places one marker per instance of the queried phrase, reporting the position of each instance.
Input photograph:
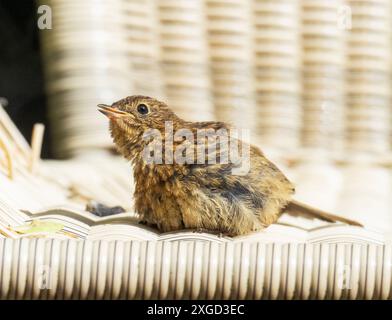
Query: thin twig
(36, 146)
(14, 133)
(8, 159)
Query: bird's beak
(110, 112)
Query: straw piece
(5, 232)
(9, 127)
(36, 146)
(8, 158)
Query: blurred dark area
(21, 75)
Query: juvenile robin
(188, 182)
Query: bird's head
(131, 117)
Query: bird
(183, 191)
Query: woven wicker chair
(310, 79)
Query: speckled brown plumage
(202, 195)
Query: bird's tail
(298, 208)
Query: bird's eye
(142, 109)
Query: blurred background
(21, 81)
(311, 79)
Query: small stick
(7, 233)
(14, 133)
(36, 146)
(8, 159)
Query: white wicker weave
(70, 269)
(369, 49)
(323, 66)
(85, 63)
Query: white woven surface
(54, 269)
